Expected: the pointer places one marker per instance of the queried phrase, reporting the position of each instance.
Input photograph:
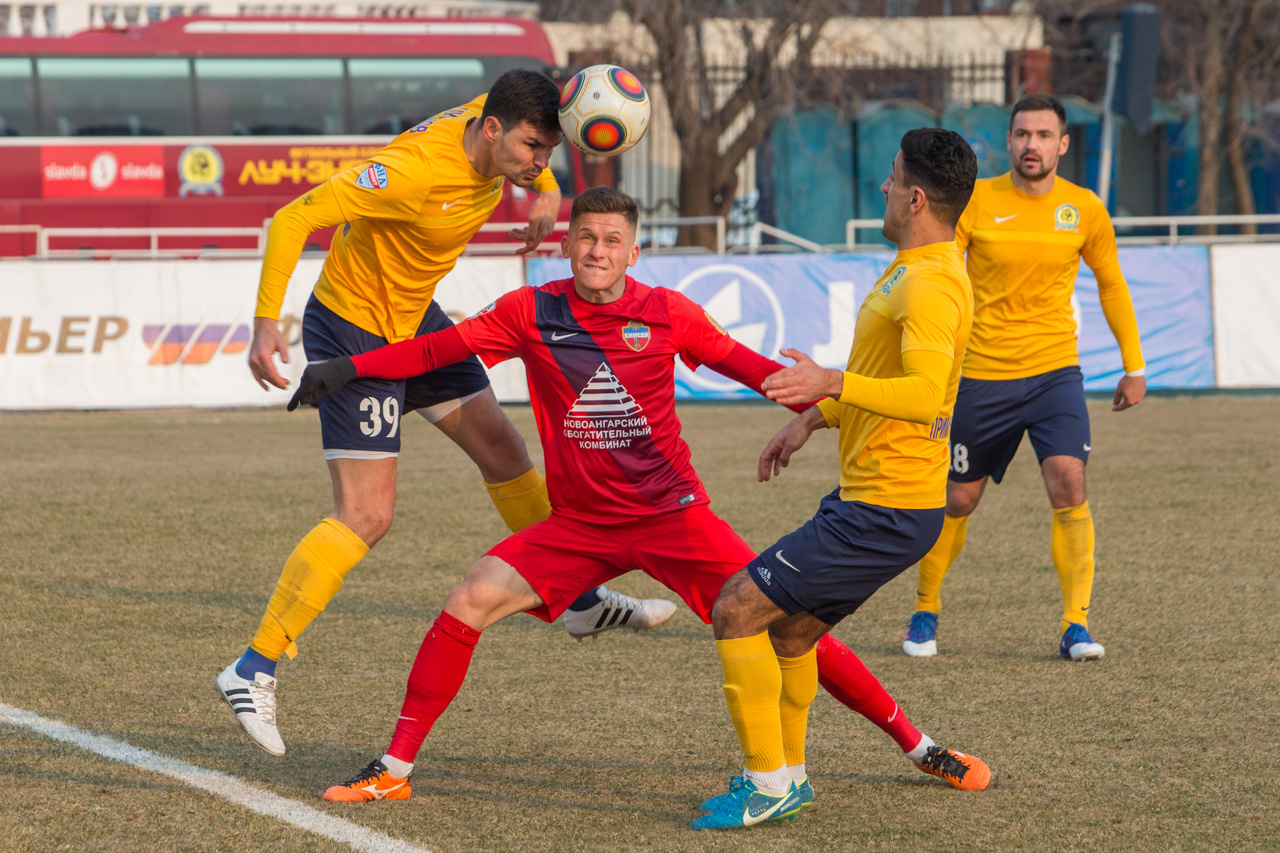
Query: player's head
(521, 121)
(1037, 136)
(601, 242)
(933, 175)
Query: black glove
(321, 380)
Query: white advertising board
(140, 334)
(1246, 315)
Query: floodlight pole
(1104, 160)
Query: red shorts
(691, 552)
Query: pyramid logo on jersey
(604, 397)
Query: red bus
(201, 123)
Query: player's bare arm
(542, 221)
(792, 437)
(268, 341)
(803, 382)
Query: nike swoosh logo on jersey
(560, 336)
(1000, 219)
(451, 204)
(783, 560)
(373, 789)
(1088, 447)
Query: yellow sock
(312, 576)
(799, 686)
(1072, 545)
(522, 501)
(753, 687)
(934, 565)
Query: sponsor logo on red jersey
(636, 335)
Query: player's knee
(369, 523)
(962, 502)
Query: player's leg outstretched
(491, 591)
(313, 574)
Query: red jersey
(602, 385)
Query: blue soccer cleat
(1078, 645)
(745, 805)
(922, 635)
(805, 789)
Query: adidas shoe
(966, 772)
(745, 805)
(374, 782)
(254, 704)
(616, 610)
(922, 635)
(1078, 645)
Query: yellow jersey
(406, 214)
(1023, 255)
(908, 343)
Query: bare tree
(717, 120)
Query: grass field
(137, 551)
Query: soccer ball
(604, 110)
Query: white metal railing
(1172, 225)
(153, 236)
(647, 227)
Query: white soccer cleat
(616, 610)
(1076, 644)
(254, 704)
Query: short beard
(1035, 176)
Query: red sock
(435, 679)
(846, 678)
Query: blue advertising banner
(809, 302)
(1170, 286)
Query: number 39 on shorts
(959, 458)
(378, 414)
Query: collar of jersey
(909, 255)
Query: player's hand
(804, 382)
(1129, 393)
(322, 379)
(268, 341)
(538, 230)
(777, 453)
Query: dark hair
(1037, 103)
(942, 164)
(606, 200)
(522, 95)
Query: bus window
(114, 96)
(389, 96)
(17, 98)
(270, 97)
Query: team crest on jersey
(374, 177)
(1066, 218)
(636, 335)
(893, 279)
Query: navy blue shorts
(992, 414)
(842, 555)
(362, 421)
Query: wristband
(1141, 371)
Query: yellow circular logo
(1066, 218)
(200, 168)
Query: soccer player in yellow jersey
(893, 408)
(406, 216)
(1026, 233)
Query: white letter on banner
(835, 352)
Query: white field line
(216, 783)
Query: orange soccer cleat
(966, 772)
(374, 782)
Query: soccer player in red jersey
(599, 351)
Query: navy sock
(252, 663)
(587, 600)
